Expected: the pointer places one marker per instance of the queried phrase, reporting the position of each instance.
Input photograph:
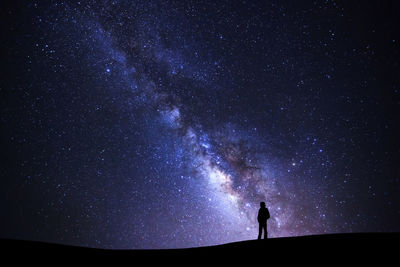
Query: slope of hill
(318, 249)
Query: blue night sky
(163, 124)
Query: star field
(164, 124)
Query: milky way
(164, 124)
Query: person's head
(262, 204)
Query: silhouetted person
(263, 216)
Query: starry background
(163, 124)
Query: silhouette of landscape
(339, 248)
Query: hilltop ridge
(323, 249)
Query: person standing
(263, 216)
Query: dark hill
(318, 249)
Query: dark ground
(368, 248)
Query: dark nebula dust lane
(164, 124)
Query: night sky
(163, 124)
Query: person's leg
(260, 226)
(265, 231)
